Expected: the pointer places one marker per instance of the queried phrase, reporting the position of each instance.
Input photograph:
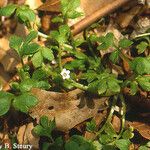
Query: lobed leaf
(8, 10)
(24, 102)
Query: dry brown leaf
(4, 43)
(124, 19)
(116, 122)
(9, 60)
(50, 6)
(68, 109)
(93, 5)
(142, 128)
(5, 141)
(3, 3)
(4, 77)
(26, 137)
(142, 25)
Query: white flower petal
(65, 74)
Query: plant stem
(141, 35)
(59, 58)
(78, 85)
(123, 115)
(109, 116)
(43, 35)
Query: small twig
(87, 21)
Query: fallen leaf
(142, 128)
(50, 6)
(9, 59)
(124, 19)
(116, 123)
(4, 77)
(68, 109)
(3, 3)
(26, 137)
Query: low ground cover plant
(86, 69)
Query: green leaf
(23, 74)
(89, 76)
(97, 145)
(109, 147)
(110, 130)
(24, 102)
(105, 139)
(107, 41)
(40, 74)
(71, 145)
(143, 148)
(144, 82)
(68, 8)
(114, 56)
(74, 14)
(8, 10)
(47, 53)
(128, 134)
(141, 65)
(54, 34)
(42, 84)
(142, 47)
(123, 144)
(25, 14)
(45, 145)
(91, 126)
(28, 49)
(77, 142)
(58, 144)
(102, 87)
(37, 59)
(76, 64)
(94, 63)
(57, 19)
(78, 42)
(15, 43)
(125, 43)
(45, 127)
(133, 88)
(113, 86)
(64, 30)
(44, 122)
(26, 85)
(5, 102)
(31, 36)
(93, 86)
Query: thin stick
(87, 21)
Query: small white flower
(53, 62)
(65, 74)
